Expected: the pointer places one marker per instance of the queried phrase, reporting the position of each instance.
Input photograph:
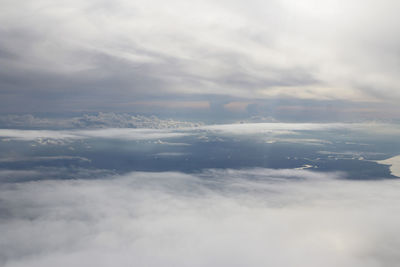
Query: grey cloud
(96, 55)
(6, 55)
(252, 217)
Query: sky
(196, 133)
(289, 60)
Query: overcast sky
(253, 57)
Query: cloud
(255, 217)
(271, 128)
(85, 55)
(58, 137)
(268, 132)
(96, 121)
(375, 128)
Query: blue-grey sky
(280, 58)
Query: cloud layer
(255, 217)
(124, 55)
(99, 120)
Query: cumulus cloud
(255, 217)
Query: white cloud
(55, 137)
(98, 121)
(274, 132)
(272, 128)
(377, 129)
(256, 217)
(28, 135)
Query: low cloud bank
(270, 129)
(94, 121)
(56, 137)
(255, 217)
(291, 128)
